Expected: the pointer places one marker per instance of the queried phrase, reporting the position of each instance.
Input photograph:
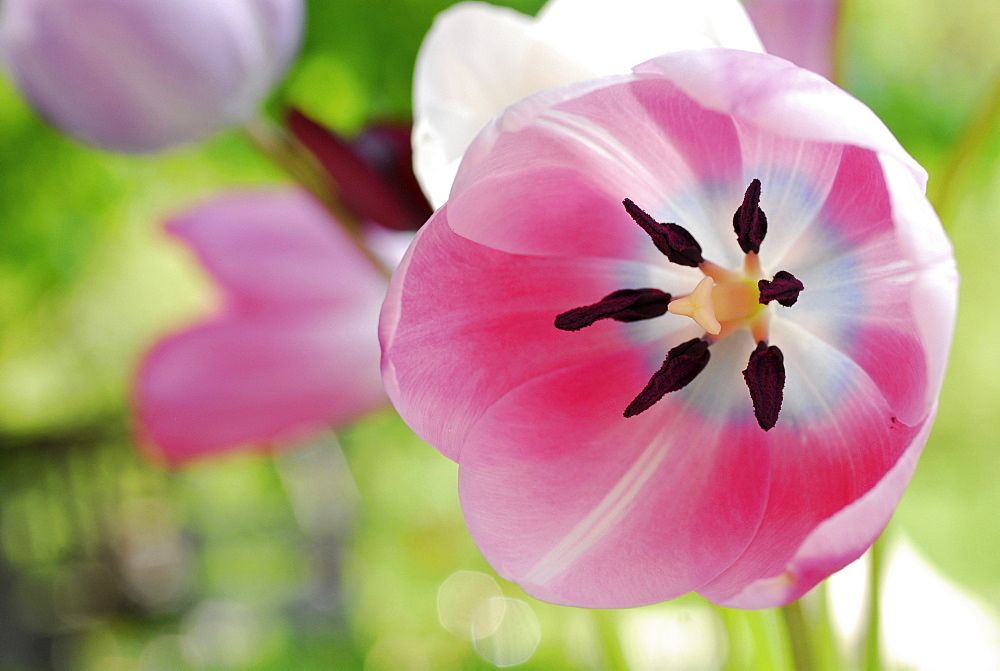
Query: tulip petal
(478, 59)
(776, 97)
(674, 159)
(836, 438)
(583, 507)
(801, 31)
(638, 30)
(838, 540)
(503, 322)
(293, 347)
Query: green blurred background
(331, 555)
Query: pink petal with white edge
(294, 345)
(776, 96)
(581, 507)
(801, 31)
(839, 539)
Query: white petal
(610, 38)
(477, 59)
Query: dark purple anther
(682, 365)
(749, 221)
(673, 240)
(765, 377)
(784, 288)
(624, 305)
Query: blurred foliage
(108, 562)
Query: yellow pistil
(699, 306)
(712, 305)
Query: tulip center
(721, 302)
(714, 305)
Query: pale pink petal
(583, 507)
(801, 31)
(837, 540)
(276, 250)
(446, 362)
(294, 346)
(142, 75)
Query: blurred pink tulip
(144, 75)
(293, 347)
(772, 445)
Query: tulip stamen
(682, 365)
(765, 378)
(749, 221)
(784, 288)
(624, 305)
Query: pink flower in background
(802, 31)
(144, 75)
(682, 329)
(292, 348)
(477, 59)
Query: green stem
(607, 630)
(289, 154)
(972, 138)
(798, 636)
(873, 643)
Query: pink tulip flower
(682, 329)
(293, 346)
(144, 75)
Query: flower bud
(143, 75)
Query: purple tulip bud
(142, 75)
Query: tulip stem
(608, 633)
(798, 636)
(293, 157)
(873, 641)
(972, 138)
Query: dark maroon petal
(749, 220)
(784, 288)
(361, 175)
(673, 240)
(682, 365)
(386, 147)
(765, 377)
(624, 305)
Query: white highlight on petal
(605, 516)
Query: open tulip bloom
(682, 329)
